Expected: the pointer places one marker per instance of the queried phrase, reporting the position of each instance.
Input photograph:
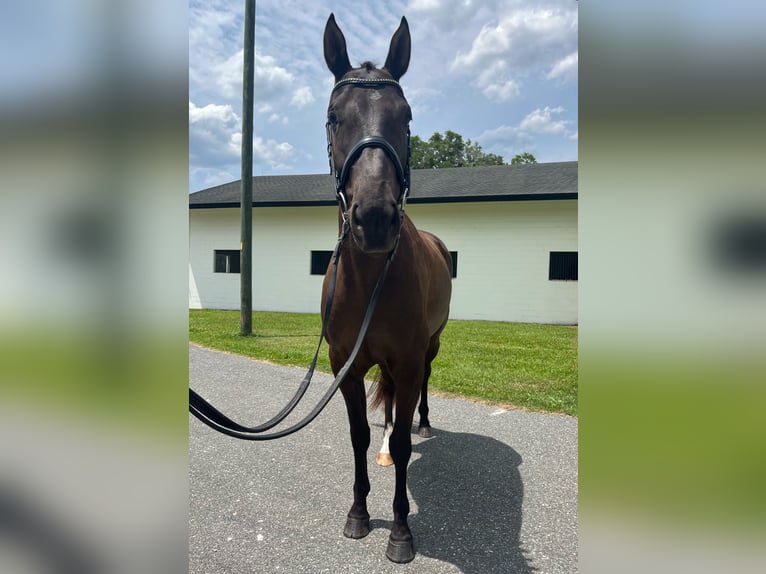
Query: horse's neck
(362, 270)
(358, 269)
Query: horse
(368, 145)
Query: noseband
(402, 172)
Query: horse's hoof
(425, 432)
(356, 528)
(400, 551)
(384, 459)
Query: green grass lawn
(511, 364)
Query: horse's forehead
(384, 97)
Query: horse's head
(368, 137)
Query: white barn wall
(502, 257)
(283, 238)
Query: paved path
(494, 491)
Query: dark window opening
(453, 254)
(563, 266)
(226, 261)
(320, 261)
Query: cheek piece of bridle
(214, 418)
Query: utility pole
(246, 200)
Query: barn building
(512, 231)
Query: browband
(367, 82)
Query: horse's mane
(368, 65)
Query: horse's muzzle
(375, 228)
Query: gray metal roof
(457, 184)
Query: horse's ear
(335, 53)
(398, 59)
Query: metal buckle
(343, 202)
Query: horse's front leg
(400, 543)
(358, 520)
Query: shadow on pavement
(468, 492)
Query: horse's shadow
(468, 492)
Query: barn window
(453, 254)
(320, 261)
(563, 266)
(226, 261)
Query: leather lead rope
(216, 420)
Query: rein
(215, 419)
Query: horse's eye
(332, 118)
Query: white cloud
(448, 14)
(271, 79)
(424, 5)
(505, 138)
(502, 92)
(210, 112)
(492, 84)
(275, 118)
(423, 100)
(522, 38)
(530, 133)
(541, 121)
(490, 43)
(565, 69)
(227, 76)
(215, 28)
(204, 177)
(222, 77)
(302, 97)
(272, 153)
(211, 134)
(215, 141)
(534, 41)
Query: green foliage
(521, 158)
(515, 364)
(449, 150)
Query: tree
(525, 157)
(449, 150)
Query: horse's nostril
(355, 218)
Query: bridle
(215, 419)
(341, 179)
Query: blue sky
(499, 72)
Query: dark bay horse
(368, 141)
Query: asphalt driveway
(494, 491)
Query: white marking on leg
(384, 456)
(386, 435)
